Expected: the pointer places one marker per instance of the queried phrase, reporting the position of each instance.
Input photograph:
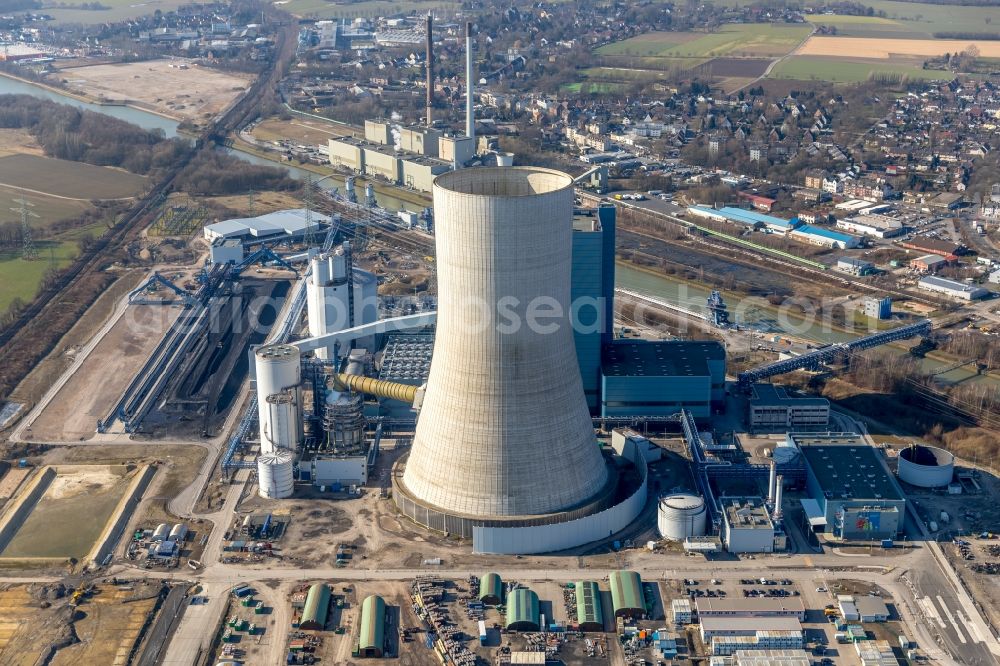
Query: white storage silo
(339, 296)
(274, 475)
(279, 403)
(681, 516)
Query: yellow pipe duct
(377, 387)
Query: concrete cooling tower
(504, 436)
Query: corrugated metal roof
(372, 636)
(490, 585)
(588, 603)
(826, 233)
(522, 609)
(626, 593)
(317, 607)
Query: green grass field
(20, 278)
(369, 8)
(48, 209)
(843, 70)
(928, 19)
(119, 9)
(868, 26)
(62, 178)
(746, 40)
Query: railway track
(128, 228)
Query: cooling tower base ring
(440, 520)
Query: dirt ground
(194, 93)
(106, 623)
(32, 387)
(18, 141)
(301, 130)
(93, 389)
(263, 202)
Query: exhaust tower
(504, 436)
(429, 59)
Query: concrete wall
(346, 154)
(560, 536)
(421, 176)
(121, 516)
(15, 514)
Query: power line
(28, 250)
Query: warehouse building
(875, 225)
(522, 610)
(279, 225)
(716, 627)
(316, 608)
(825, 237)
(371, 639)
(949, 251)
(761, 640)
(773, 410)
(747, 525)
(853, 266)
(929, 263)
(626, 594)
(659, 378)
(952, 288)
(747, 218)
(764, 658)
(589, 614)
(755, 607)
(491, 589)
(852, 494)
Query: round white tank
(505, 159)
(279, 374)
(274, 475)
(681, 516)
(320, 270)
(926, 466)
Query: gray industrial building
(281, 224)
(747, 525)
(773, 410)
(659, 378)
(852, 494)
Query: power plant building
(292, 223)
(747, 525)
(852, 494)
(660, 378)
(339, 296)
(504, 449)
(773, 410)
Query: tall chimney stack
(470, 120)
(430, 69)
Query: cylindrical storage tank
(178, 533)
(161, 532)
(274, 475)
(926, 466)
(504, 429)
(284, 422)
(681, 516)
(505, 159)
(278, 369)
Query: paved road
(166, 621)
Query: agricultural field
(367, 8)
(117, 10)
(760, 40)
(866, 26)
(928, 18)
(20, 278)
(860, 47)
(844, 70)
(69, 180)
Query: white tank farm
(681, 516)
(926, 466)
(279, 403)
(274, 475)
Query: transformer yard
(297, 451)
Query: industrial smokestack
(470, 120)
(777, 497)
(430, 69)
(771, 481)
